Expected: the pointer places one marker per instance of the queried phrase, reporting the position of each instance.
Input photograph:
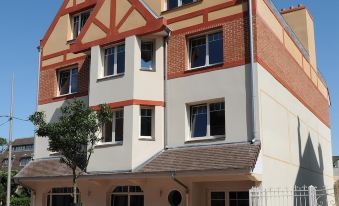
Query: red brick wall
(48, 85)
(236, 48)
(275, 58)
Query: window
(127, 196)
(235, 198)
(114, 60)
(239, 199)
(68, 81)
(115, 128)
(208, 120)
(147, 55)
(23, 148)
(218, 199)
(146, 115)
(24, 161)
(79, 20)
(176, 3)
(61, 197)
(206, 50)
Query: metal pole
(10, 147)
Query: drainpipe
(165, 89)
(254, 80)
(182, 185)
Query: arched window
(127, 196)
(61, 196)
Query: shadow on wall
(311, 170)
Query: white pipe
(254, 79)
(9, 178)
(37, 94)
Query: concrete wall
(293, 139)
(230, 85)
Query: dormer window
(79, 20)
(171, 4)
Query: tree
(3, 144)
(74, 135)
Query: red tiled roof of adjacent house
(217, 157)
(23, 141)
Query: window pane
(217, 119)
(107, 132)
(199, 121)
(198, 52)
(146, 55)
(119, 125)
(216, 54)
(64, 82)
(146, 122)
(121, 59)
(187, 1)
(218, 199)
(119, 200)
(109, 62)
(172, 4)
(74, 81)
(137, 200)
(62, 200)
(76, 25)
(84, 18)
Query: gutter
(165, 88)
(173, 174)
(254, 79)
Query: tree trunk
(74, 188)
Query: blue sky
(22, 31)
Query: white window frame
(129, 194)
(208, 134)
(78, 30)
(207, 57)
(152, 123)
(115, 68)
(113, 127)
(70, 81)
(179, 4)
(152, 68)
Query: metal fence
(298, 196)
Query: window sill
(70, 42)
(108, 144)
(204, 139)
(146, 138)
(110, 77)
(181, 7)
(66, 95)
(205, 67)
(147, 69)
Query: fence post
(312, 196)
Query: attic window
(78, 22)
(171, 4)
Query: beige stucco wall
(98, 191)
(293, 139)
(104, 13)
(52, 112)
(228, 84)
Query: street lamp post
(8, 202)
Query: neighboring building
(193, 119)
(336, 169)
(22, 154)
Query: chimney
(301, 22)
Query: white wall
(228, 84)
(284, 122)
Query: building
(195, 120)
(22, 153)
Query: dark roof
(198, 158)
(45, 168)
(217, 157)
(23, 141)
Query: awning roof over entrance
(220, 157)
